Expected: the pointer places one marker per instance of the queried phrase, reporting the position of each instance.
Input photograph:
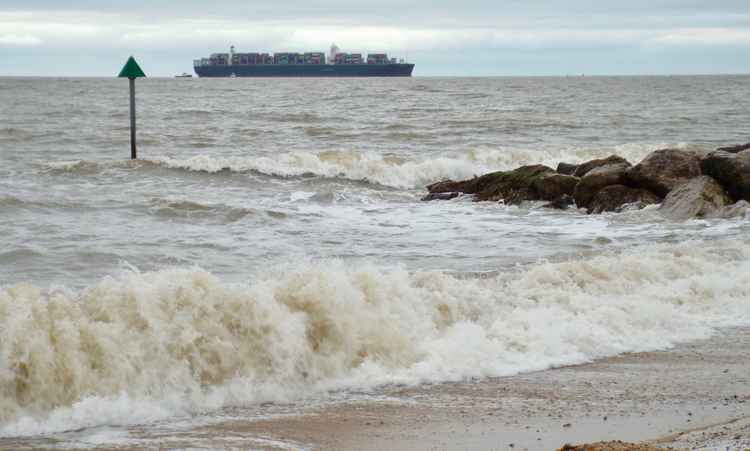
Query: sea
(269, 246)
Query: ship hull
(307, 70)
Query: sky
(443, 38)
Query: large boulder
(584, 168)
(441, 196)
(554, 186)
(451, 186)
(735, 149)
(700, 197)
(613, 197)
(566, 168)
(663, 170)
(513, 187)
(596, 179)
(732, 170)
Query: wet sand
(696, 396)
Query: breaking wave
(400, 172)
(395, 171)
(144, 346)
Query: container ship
(310, 64)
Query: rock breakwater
(687, 183)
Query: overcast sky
(468, 37)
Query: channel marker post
(131, 71)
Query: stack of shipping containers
(244, 59)
(377, 58)
(348, 58)
(288, 58)
(219, 59)
(315, 58)
(281, 58)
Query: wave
(321, 131)
(191, 209)
(89, 167)
(12, 201)
(81, 167)
(425, 88)
(181, 341)
(13, 134)
(303, 118)
(13, 256)
(389, 170)
(402, 172)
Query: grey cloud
(521, 36)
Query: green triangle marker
(131, 69)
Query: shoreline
(694, 395)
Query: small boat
(184, 75)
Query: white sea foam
(401, 172)
(145, 346)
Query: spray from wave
(399, 172)
(182, 341)
(396, 171)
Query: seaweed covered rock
(554, 186)
(525, 183)
(566, 168)
(584, 168)
(512, 186)
(597, 179)
(613, 197)
(441, 196)
(663, 170)
(693, 182)
(701, 197)
(732, 170)
(450, 186)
